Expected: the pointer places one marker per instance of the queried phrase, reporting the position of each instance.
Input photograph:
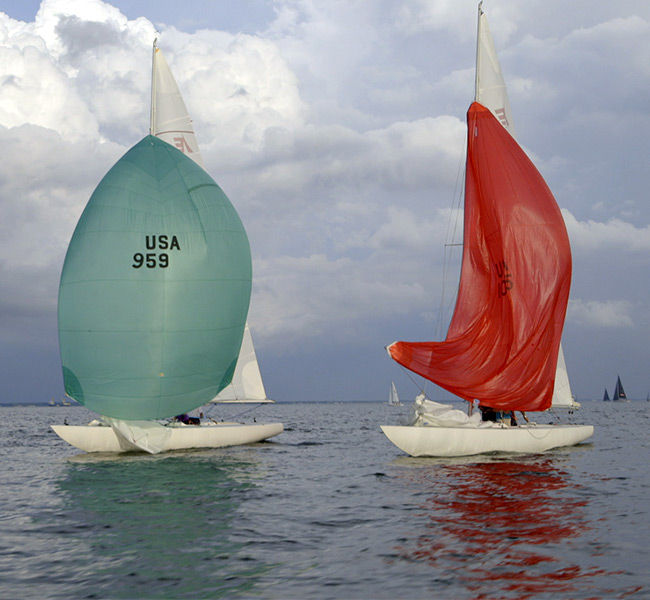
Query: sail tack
(154, 290)
(503, 341)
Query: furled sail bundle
(155, 289)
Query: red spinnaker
(503, 341)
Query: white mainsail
(492, 93)
(170, 121)
(247, 384)
(393, 398)
(490, 87)
(562, 397)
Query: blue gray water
(329, 509)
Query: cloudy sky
(337, 130)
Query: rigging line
(543, 432)
(415, 383)
(450, 236)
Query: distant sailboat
(606, 396)
(393, 398)
(154, 295)
(619, 392)
(503, 343)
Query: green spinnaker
(154, 290)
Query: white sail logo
(500, 113)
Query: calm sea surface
(329, 509)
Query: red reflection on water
(490, 520)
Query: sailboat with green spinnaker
(154, 295)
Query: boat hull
(463, 441)
(91, 438)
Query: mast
(152, 123)
(478, 52)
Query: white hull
(465, 441)
(92, 438)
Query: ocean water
(329, 509)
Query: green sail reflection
(155, 288)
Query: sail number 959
(156, 260)
(150, 260)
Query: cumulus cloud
(416, 16)
(614, 234)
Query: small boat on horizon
(619, 392)
(393, 397)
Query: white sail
(247, 384)
(562, 397)
(393, 397)
(171, 122)
(491, 92)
